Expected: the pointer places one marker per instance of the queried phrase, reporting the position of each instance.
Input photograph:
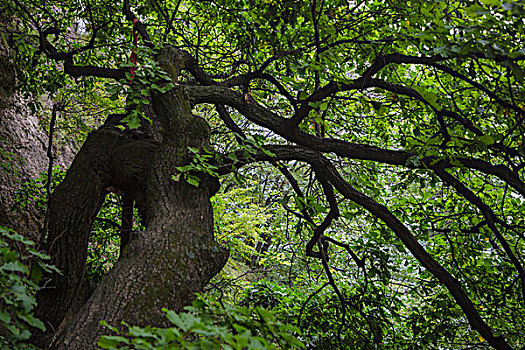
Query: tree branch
(489, 216)
(139, 26)
(267, 119)
(324, 167)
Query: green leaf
(518, 73)
(14, 266)
(111, 342)
(486, 139)
(4, 317)
(491, 2)
(139, 332)
(193, 180)
(36, 273)
(430, 96)
(110, 327)
(132, 121)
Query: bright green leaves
(209, 325)
(429, 96)
(310, 204)
(491, 2)
(200, 164)
(517, 71)
(148, 79)
(17, 285)
(242, 222)
(484, 141)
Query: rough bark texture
(165, 265)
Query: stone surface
(23, 152)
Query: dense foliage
(371, 155)
(21, 268)
(210, 325)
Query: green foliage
(104, 241)
(33, 193)
(200, 163)
(462, 101)
(209, 324)
(241, 221)
(21, 268)
(103, 246)
(136, 91)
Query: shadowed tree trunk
(166, 264)
(424, 129)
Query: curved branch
(332, 215)
(359, 262)
(70, 68)
(267, 119)
(323, 166)
(295, 186)
(432, 61)
(489, 216)
(306, 303)
(403, 90)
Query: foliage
(241, 222)
(394, 136)
(200, 163)
(21, 268)
(137, 89)
(33, 193)
(103, 246)
(209, 324)
(104, 242)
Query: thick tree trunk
(175, 256)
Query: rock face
(23, 152)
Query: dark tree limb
(432, 61)
(49, 181)
(307, 301)
(333, 213)
(324, 167)
(490, 218)
(359, 262)
(267, 119)
(296, 188)
(140, 27)
(74, 70)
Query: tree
(424, 97)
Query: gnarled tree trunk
(171, 260)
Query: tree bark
(167, 263)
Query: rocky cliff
(23, 150)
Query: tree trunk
(167, 263)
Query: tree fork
(172, 259)
(71, 217)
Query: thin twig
(56, 106)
